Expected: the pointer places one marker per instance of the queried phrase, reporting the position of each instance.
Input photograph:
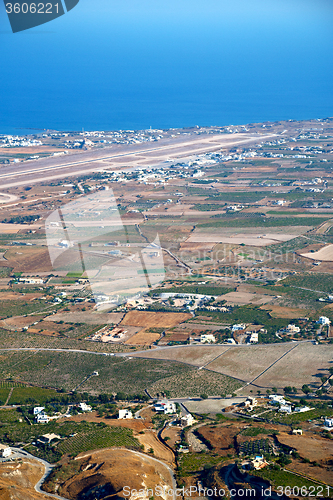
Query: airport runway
(119, 156)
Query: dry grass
(149, 319)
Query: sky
(133, 64)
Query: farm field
(312, 447)
(324, 254)
(192, 355)
(149, 319)
(284, 364)
(303, 365)
(195, 383)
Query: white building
(302, 409)
(239, 326)
(285, 408)
(5, 451)
(276, 398)
(42, 418)
(38, 409)
(84, 407)
(32, 281)
(292, 329)
(125, 414)
(165, 407)
(187, 420)
(253, 338)
(207, 339)
(328, 422)
(323, 320)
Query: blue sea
(132, 64)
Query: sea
(135, 64)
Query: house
(276, 398)
(323, 320)
(285, 408)
(38, 409)
(5, 451)
(291, 329)
(253, 338)
(258, 463)
(42, 418)
(165, 407)
(302, 409)
(84, 407)
(297, 432)
(187, 420)
(238, 326)
(125, 414)
(207, 339)
(328, 422)
(31, 281)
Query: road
(48, 468)
(89, 161)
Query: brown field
(246, 298)
(92, 318)
(303, 365)
(161, 452)
(150, 319)
(190, 246)
(317, 473)
(283, 312)
(292, 364)
(312, 447)
(324, 254)
(19, 321)
(28, 260)
(246, 363)
(193, 355)
(143, 338)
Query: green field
(263, 222)
(288, 480)
(99, 437)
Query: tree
(204, 396)
(306, 389)
(288, 389)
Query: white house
(38, 409)
(165, 407)
(291, 329)
(238, 326)
(207, 339)
(298, 432)
(187, 420)
(285, 408)
(323, 320)
(42, 418)
(276, 398)
(254, 338)
(328, 422)
(84, 407)
(302, 409)
(5, 451)
(125, 414)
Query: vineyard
(99, 438)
